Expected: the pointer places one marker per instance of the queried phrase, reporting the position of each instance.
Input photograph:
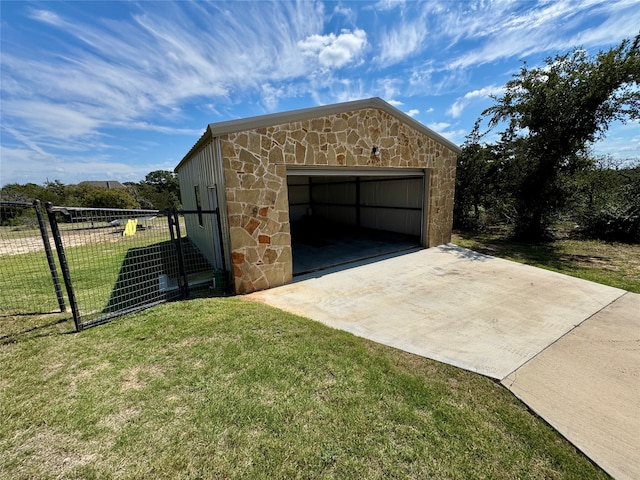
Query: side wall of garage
(199, 189)
(255, 174)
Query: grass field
(609, 263)
(225, 388)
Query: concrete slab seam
(515, 371)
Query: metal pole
(50, 260)
(227, 273)
(358, 222)
(222, 249)
(182, 270)
(64, 266)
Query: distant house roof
(103, 184)
(262, 121)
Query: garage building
(304, 190)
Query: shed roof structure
(292, 187)
(109, 184)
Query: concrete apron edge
(557, 430)
(508, 384)
(515, 370)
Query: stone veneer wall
(255, 175)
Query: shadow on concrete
(356, 263)
(320, 245)
(464, 253)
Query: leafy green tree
(475, 182)
(96, 197)
(160, 189)
(28, 192)
(14, 192)
(610, 208)
(556, 112)
(57, 189)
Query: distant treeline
(159, 190)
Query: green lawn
(610, 263)
(226, 388)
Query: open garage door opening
(341, 216)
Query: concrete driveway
(505, 320)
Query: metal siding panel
(222, 201)
(199, 171)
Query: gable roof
(110, 184)
(263, 121)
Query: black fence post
(57, 239)
(181, 268)
(49, 253)
(226, 273)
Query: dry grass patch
(610, 263)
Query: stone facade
(255, 174)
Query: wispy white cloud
(438, 126)
(342, 10)
(403, 40)
(483, 93)
(138, 72)
(386, 5)
(507, 30)
(389, 87)
(445, 129)
(413, 112)
(271, 95)
(20, 164)
(46, 16)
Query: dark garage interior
(338, 217)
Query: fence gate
(29, 279)
(117, 261)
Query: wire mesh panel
(29, 281)
(203, 273)
(118, 261)
(115, 261)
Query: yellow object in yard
(130, 228)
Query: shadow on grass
(149, 275)
(140, 276)
(36, 331)
(550, 254)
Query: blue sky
(114, 90)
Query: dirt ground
(31, 241)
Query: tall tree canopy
(161, 189)
(553, 113)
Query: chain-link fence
(98, 263)
(29, 278)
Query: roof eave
(206, 136)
